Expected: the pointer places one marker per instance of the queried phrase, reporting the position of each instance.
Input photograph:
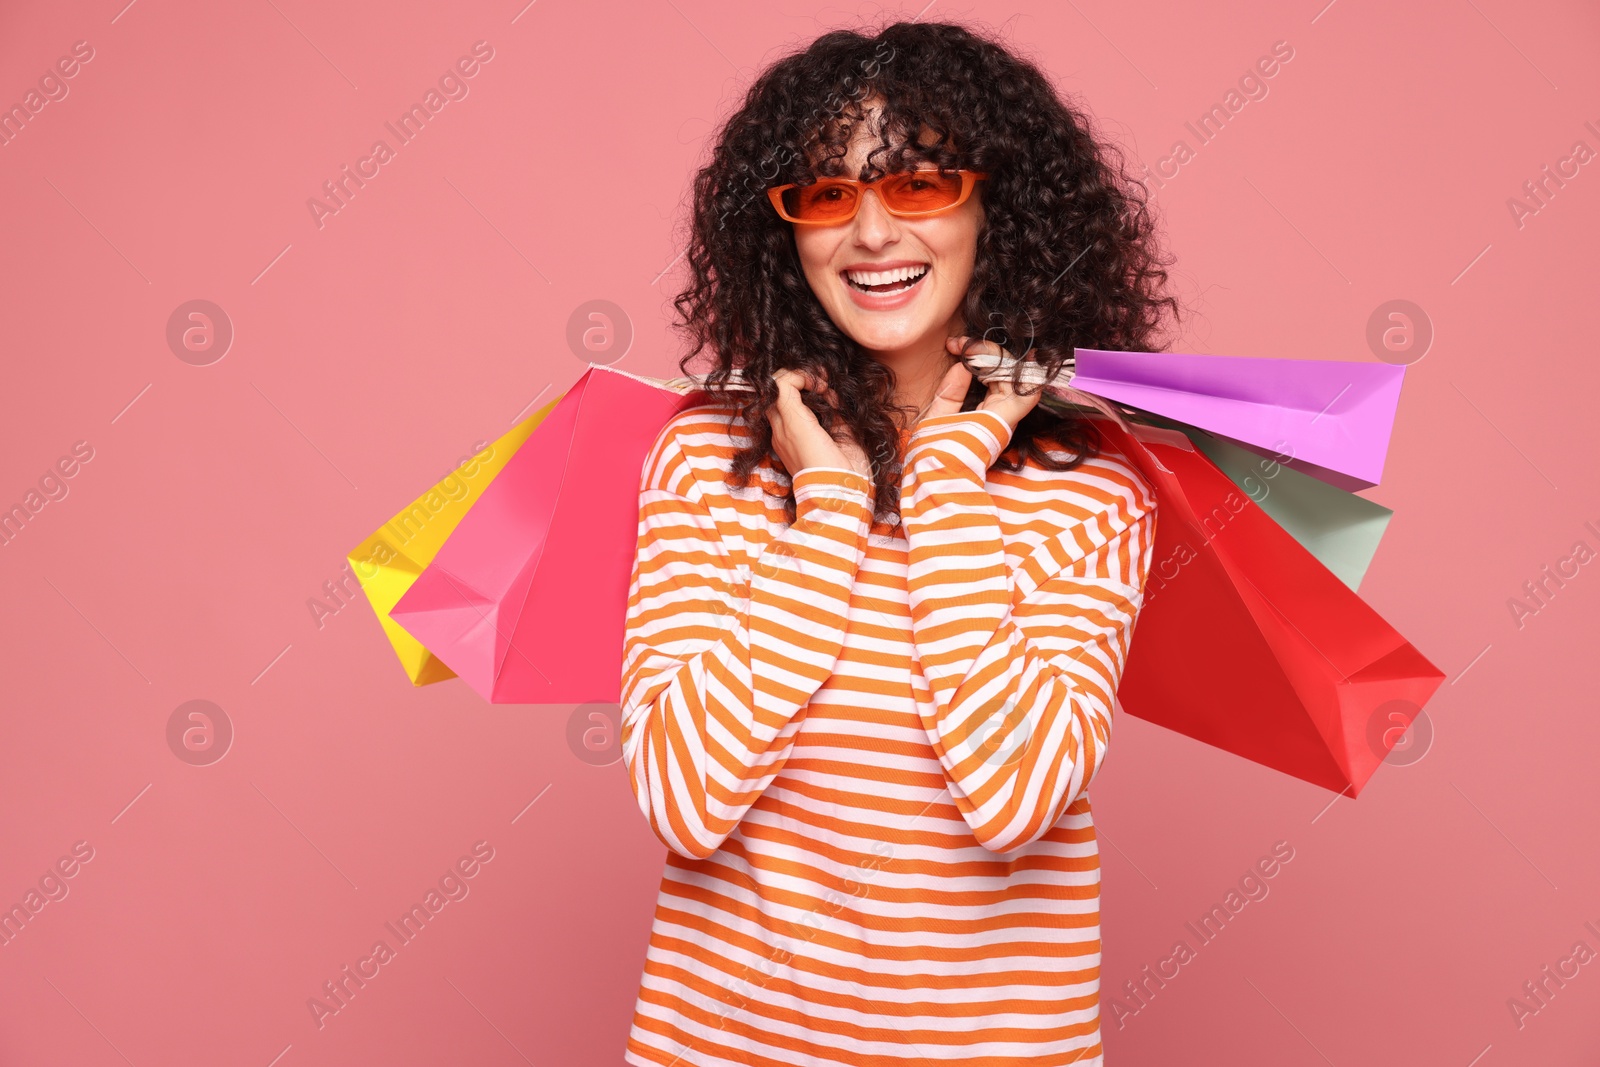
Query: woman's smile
(885, 286)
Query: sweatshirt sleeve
(715, 667)
(1022, 663)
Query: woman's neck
(918, 370)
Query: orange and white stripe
(867, 750)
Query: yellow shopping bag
(388, 562)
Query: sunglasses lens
(926, 190)
(820, 201)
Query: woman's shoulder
(707, 419)
(694, 449)
(1105, 482)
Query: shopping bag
(1331, 418)
(1340, 529)
(527, 599)
(388, 562)
(1246, 641)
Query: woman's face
(891, 284)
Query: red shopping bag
(1247, 642)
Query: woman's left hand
(1001, 400)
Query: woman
(880, 608)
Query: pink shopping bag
(527, 599)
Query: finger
(1001, 388)
(953, 386)
(789, 379)
(1002, 397)
(973, 346)
(789, 383)
(952, 392)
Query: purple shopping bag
(1330, 417)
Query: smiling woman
(1049, 246)
(880, 607)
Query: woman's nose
(875, 227)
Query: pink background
(370, 353)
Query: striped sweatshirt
(867, 749)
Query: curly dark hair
(1066, 256)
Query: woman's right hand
(799, 438)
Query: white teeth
(886, 277)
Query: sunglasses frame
(969, 182)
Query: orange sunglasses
(913, 194)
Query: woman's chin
(878, 335)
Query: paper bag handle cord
(1060, 395)
(987, 367)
